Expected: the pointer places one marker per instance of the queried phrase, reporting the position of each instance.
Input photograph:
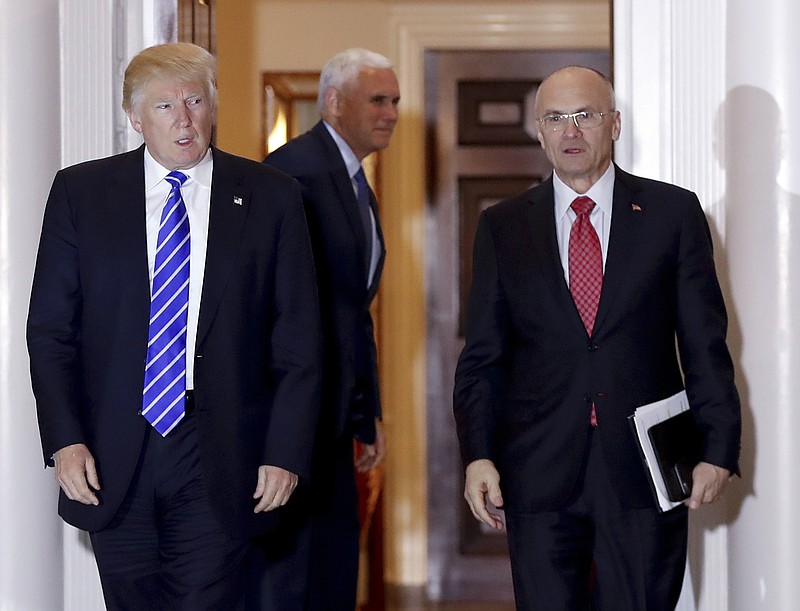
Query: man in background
(593, 293)
(358, 97)
(175, 346)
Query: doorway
(480, 148)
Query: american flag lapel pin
(636, 207)
(237, 200)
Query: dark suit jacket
(529, 373)
(350, 387)
(258, 355)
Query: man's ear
(332, 100)
(136, 123)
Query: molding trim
(670, 82)
(416, 29)
(698, 42)
(87, 80)
(670, 85)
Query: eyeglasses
(585, 119)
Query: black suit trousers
(165, 548)
(639, 554)
(310, 562)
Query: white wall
(762, 162)
(29, 156)
(60, 78)
(710, 91)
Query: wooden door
(197, 23)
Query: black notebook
(671, 444)
(677, 444)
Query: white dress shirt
(196, 192)
(602, 194)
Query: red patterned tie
(585, 268)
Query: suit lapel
(230, 204)
(125, 198)
(544, 246)
(625, 223)
(345, 195)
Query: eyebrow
(564, 112)
(174, 100)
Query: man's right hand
(482, 483)
(77, 474)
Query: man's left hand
(708, 482)
(275, 486)
(372, 455)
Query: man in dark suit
(172, 494)
(546, 380)
(358, 97)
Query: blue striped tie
(163, 403)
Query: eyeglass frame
(574, 117)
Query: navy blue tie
(163, 403)
(364, 211)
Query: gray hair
(343, 68)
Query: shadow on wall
(758, 216)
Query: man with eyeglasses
(593, 293)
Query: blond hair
(179, 61)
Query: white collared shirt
(196, 192)
(602, 194)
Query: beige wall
(259, 35)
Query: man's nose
(184, 119)
(572, 128)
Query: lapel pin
(237, 200)
(636, 207)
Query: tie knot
(175, 178)
(582, 205)
(361, 178)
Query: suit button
(593, 347)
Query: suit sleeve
(296, 347)
(480, 373)
(53, 330)
(701, 329)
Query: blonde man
(175, 349)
